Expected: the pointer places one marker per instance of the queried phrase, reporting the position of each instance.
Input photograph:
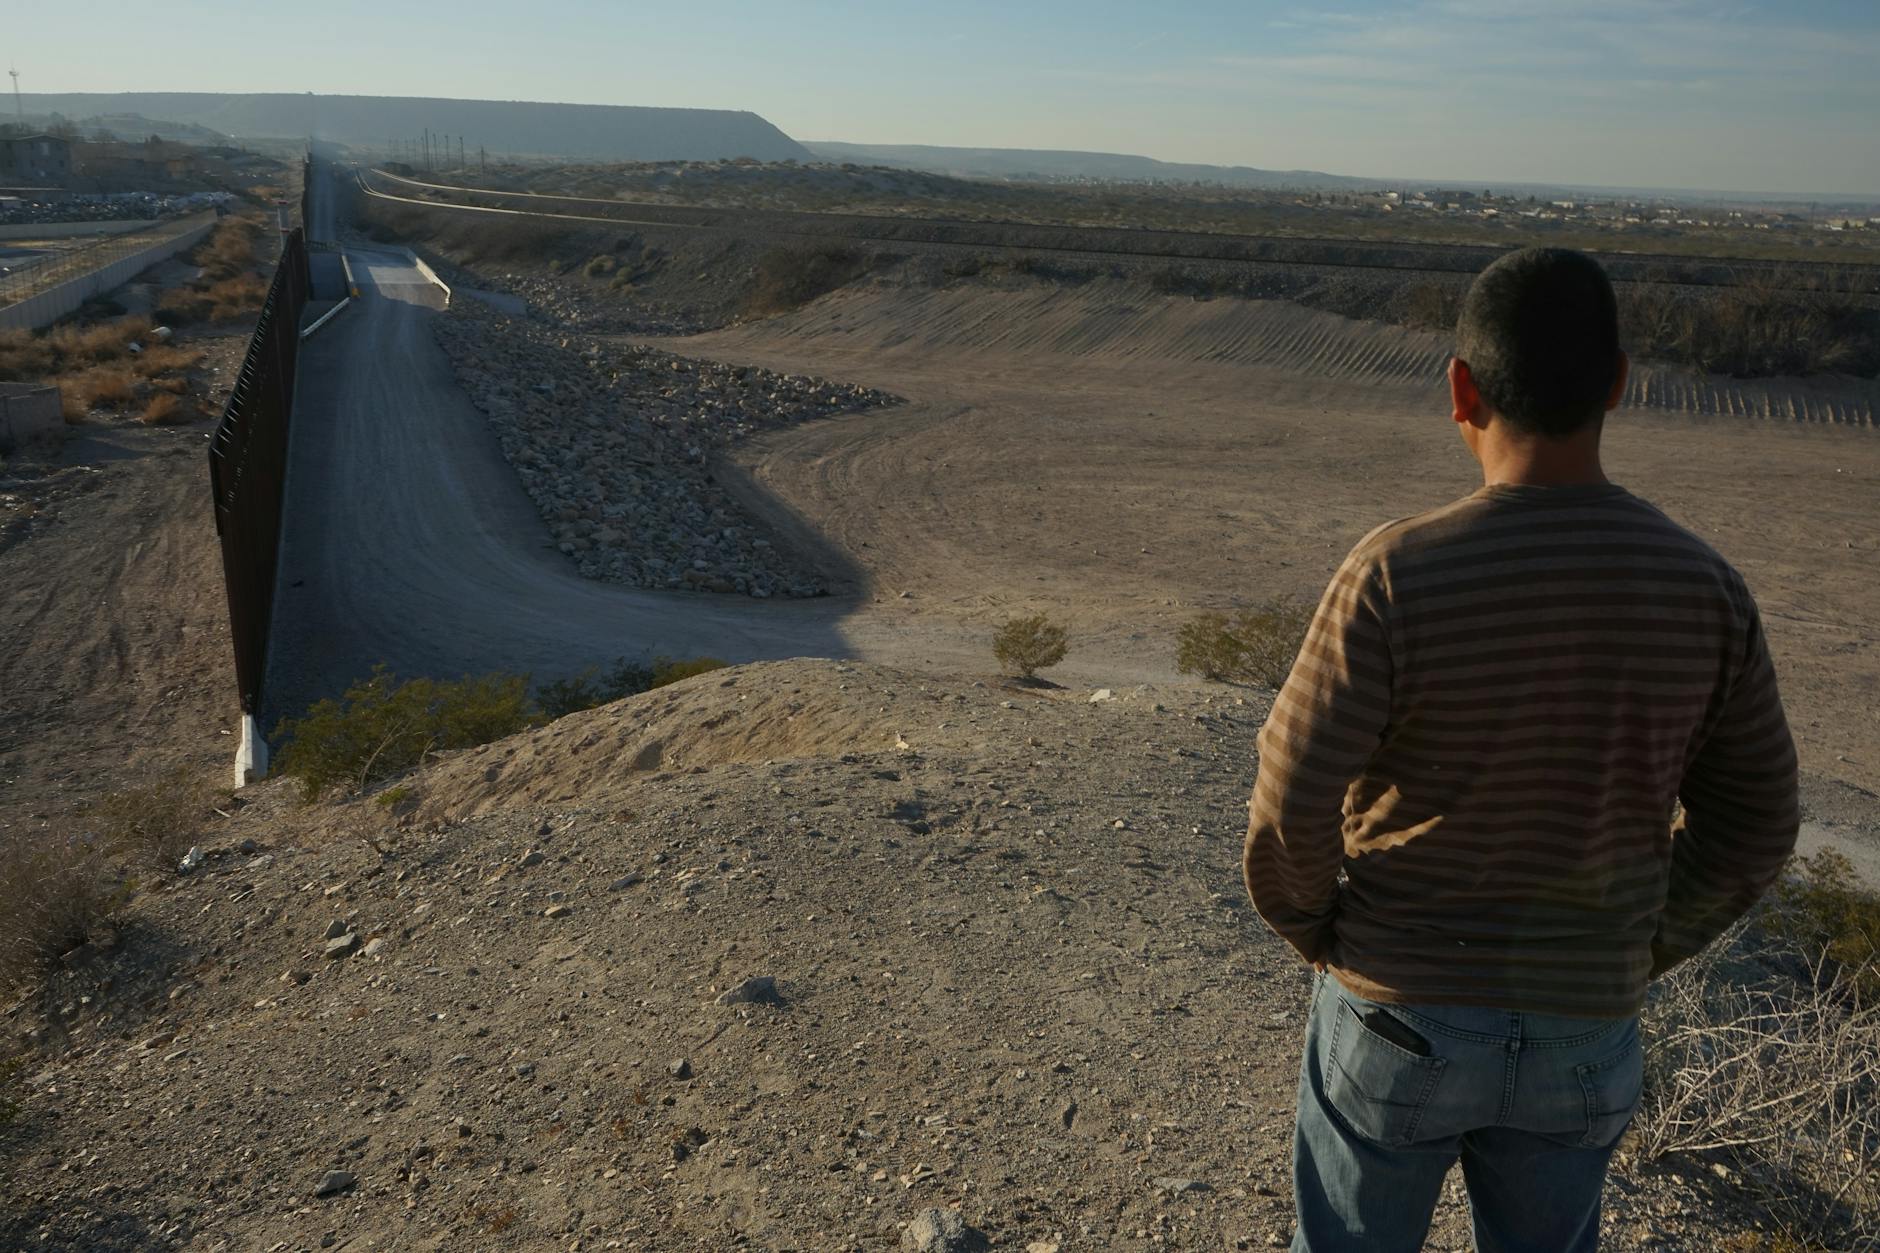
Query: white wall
(55, 302)
(68, 230)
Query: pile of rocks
(614, 443)
(575, 303)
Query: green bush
(1823, 907)
(600, 267)
(1250, 646)
(589, 689)
(668, 670)
(592, 688)
(1024, 646)
(786, 278)
(382, 727)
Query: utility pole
(460, 160)
(483, 161)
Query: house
(134, 165)
(35, 159)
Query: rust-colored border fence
(248, 468)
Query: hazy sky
(1765, 95)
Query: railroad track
(1104, 244)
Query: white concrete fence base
(251, 753)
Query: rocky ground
(794, 956)
(614, 444)
(579, 303)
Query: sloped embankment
(1002, 963)
(1122, 321)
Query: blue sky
(1756, 95)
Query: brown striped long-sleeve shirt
(1495, 709)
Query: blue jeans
(1532, 1104)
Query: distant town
(62, 174)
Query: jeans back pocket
(1379, 1087)
(1612, 1087)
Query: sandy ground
(1074, 472)
(114, 644)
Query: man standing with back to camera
(1489, 722)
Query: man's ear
(1466, 402)
(1619, 377)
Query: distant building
(134, 165)
(35, 159)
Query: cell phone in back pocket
(1379, 1023)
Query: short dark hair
(1540, 333)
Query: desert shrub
(101, 387)
(786, 278)
(229, 250)
(1764, 1053)
(1024, 646)
(164, 359)
(96, 344)
(24, 356)
(1767, 323)
(54, 892)
(166, 407)
(1248, 646)
(382, 727)
(591, 688)
(180, 306)
(1824, 908)
(236, 297)
(600, 266)
(157, 822)
(1431, 305)
(670, 670)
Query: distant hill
(523, 128)
(1053, 165)
(130, 126)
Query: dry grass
(161, 359)
(156, 823)
(236, 297)
(231, 285)
(1763, 1057)
(54, 894)
(166, 408)
(26, 356)
(229, 251)
(101, 387)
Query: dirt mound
(777, 711)
(776, 1003)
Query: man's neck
(1534, 462)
